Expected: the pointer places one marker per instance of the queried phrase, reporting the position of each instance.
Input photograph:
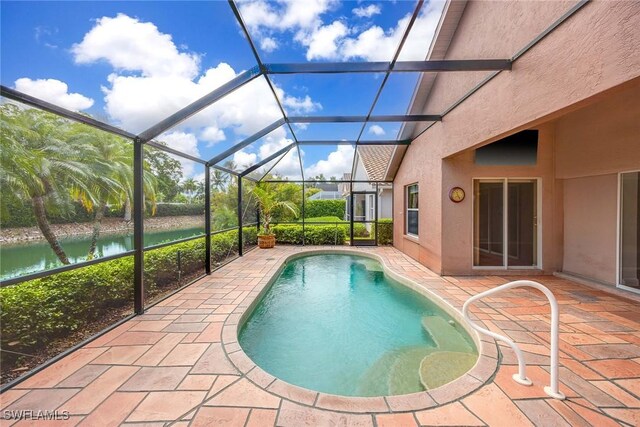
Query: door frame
(505, 181)
(619, 284)
(369, 242)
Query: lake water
(32, 256)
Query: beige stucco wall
(592, 145)
(586, 60)
(590, 228)
(457, 223)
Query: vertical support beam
(376, 203)
(351, 212)
(207, 218)
(303, 215)
(240, 215)
(138, 226)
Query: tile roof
(375, 159)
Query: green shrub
(385, 231)
(288, 234)
(322, 219)
(313, 234)
(37, 311)
(17, 214)
(320, 208)
(324, 235)
(178, 209)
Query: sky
(132, 64)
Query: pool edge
(482, 372)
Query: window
(412, 209)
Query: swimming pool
(336, 323)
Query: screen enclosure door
(364, 209)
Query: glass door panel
(488, 223)
(522, 224)
(505, 219)
(630, 229)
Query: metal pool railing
(521, 377)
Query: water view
(31, 256)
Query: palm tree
(37, 163)
(219, 180)
(190, 186)
(110, 183)
(110, 160)
(267, 202)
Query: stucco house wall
(588, 59)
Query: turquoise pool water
(338, 324)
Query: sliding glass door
(630, 229)
(505, 223)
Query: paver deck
(179, 364)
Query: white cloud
(149, 91)
(299, 105)
(244, 159)
(268, 44)
(212, 134)
(55, 92)
(138, 102)
(376, 130)
(366, 12)
(129, 44)
(375, 44)
(284, 14)
(323, 43)
(186, 143)
(337, 40)
(289, 166)
(337, 163)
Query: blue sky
(134, 63)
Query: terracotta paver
(396, 420)
(181, 362)
(453, 414)
(166, 405)
(228, 417)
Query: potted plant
(267, 203)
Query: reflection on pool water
(338, 324)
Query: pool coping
(481, 373)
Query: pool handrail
(552, 390)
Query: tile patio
(180, 364)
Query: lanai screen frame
(261, 69)
(147, 137)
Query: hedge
(18, 214)
(320, 208)
(37, 311)
(385, 231)
(313, 235)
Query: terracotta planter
(267, 242)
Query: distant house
(372, 164)
(329, 191)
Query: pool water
(338, 324)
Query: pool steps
(441, 367)
(445, 335)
